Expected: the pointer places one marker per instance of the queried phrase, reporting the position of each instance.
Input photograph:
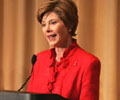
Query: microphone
(34, 57)
(33, 60)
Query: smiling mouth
(52, 37)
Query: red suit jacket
(75, 77)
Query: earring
(69, 30)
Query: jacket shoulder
(85, 56)
(88, 61)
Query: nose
(48, 28)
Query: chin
(53, 44)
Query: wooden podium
(9, 95)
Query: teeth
(52, 37)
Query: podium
(11, 95)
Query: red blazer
(75, 77)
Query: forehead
(50, 16)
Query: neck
(60, 50)
(59, 53)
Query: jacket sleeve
(90, 81)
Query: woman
(66, 69)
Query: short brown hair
(65, 9)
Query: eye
(53, 22)
(43, 25)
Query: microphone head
(34, 58)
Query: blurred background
(21, 37)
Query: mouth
(52, 37)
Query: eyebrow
(50, 20)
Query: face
(55, 31)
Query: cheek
(43, 31)
(61, 29)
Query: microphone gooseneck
(33, 60)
